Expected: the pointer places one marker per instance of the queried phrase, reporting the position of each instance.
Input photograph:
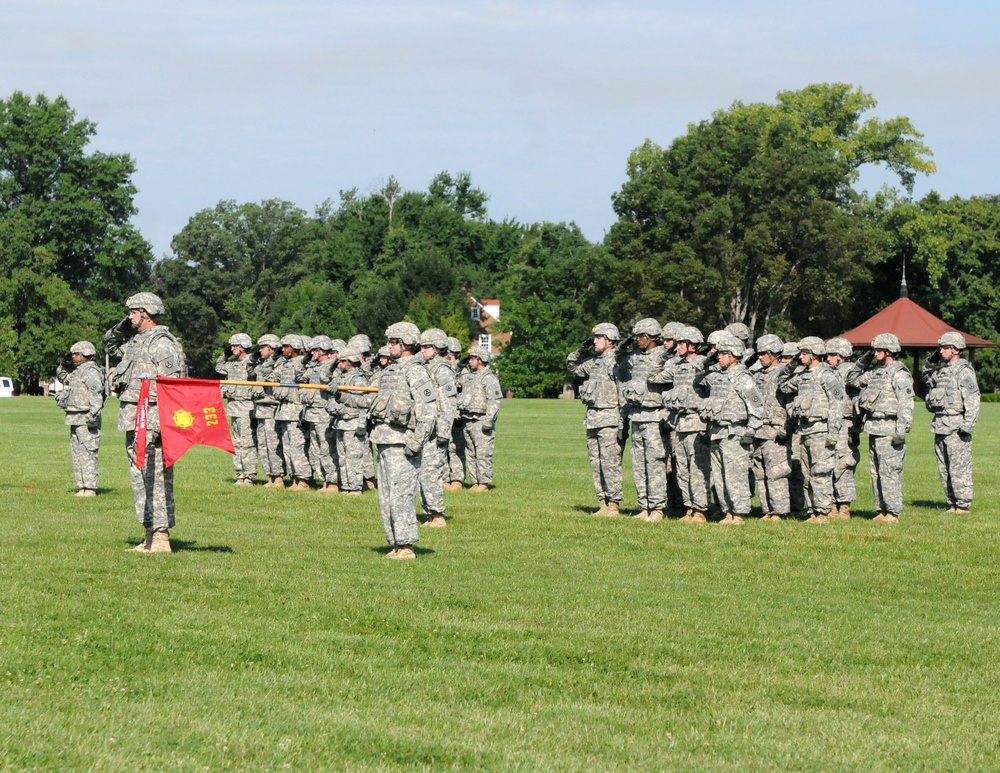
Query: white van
(6, 386)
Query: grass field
(527, 636)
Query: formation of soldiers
(713, 418)
(429, 420)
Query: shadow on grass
(180, 545)
(930, 504)
(383, 550)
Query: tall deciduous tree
(751, 215)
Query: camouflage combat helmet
(769, 343)
(361, 342)
(839, 346)
(731, 345)
(952, 338)
(337, 344)
(148, 301)
(482, 353)
(454, 345)
(812, 344)
(384, 352)
(240, 339)
(646, 327)
(607, 330)
(293, 340)
(321, 342)
(406, 332)
(716, 336)
(791, 350)
(739, 330)
(435, 337)
(689, 334)
(84, 348)
(886, 341)
(350, 353)
(269, 339)
(671, 330)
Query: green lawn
(528, 635)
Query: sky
(541, 102)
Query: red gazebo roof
(913, 326)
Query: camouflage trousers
(397, 489)
(886, 464)
(846, 458)
(431, 480)
(370, 461)
(352, 452)
(816, 461)
(245, 459)
(322, 456)
(675, 499)
(293, 448)
(649, 465)
(269, 447)
(693, 457)
(605, 454)
(730, 474)
(152, 485)
(455, 464)
(772, 467)
(479, 446)
(84, 443)
(954, 460)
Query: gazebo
(915, 327)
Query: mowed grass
(527, 636)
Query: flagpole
(291, 385)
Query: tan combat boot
(300, 484)
(686, 517)
(370, 485)
(642, 515)
(330, 488)
(655, 516)
(402, 553)
(603, 509)
(161, 542)
(143, 547)
(698, 517)
(612, 509)
(435, 521)
(86, 492)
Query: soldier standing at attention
(455, 463)
(287, 370)
(151, 351)
(953, 397)
(645, 410)
(432, 463)
(818, 410)
(320, 369)
(771, 455)
(261, 368)
(734, 413)
(349, 411)
(83, 401)
(234, 365)
(403, 414)
(479, 405)
(604, 421)
(846, 455)
(886, 405)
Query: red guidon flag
(191, 413)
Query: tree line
(752, 215)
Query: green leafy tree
(751, 216)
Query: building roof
(913, 325)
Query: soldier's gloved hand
(411, 450)
(781, 437)
(93, 422)
(899, 439)
(441, 441)
(361, 431)
(487, 426)
(831, 442)
(866, 359)
(965, 436)
(747, 439)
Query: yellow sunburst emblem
(183, 419)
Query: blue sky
(540, 101)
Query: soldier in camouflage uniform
(433, 459)
(689, 444)
(847, 454)
(604, 422)
(796, 481)
(403, 414)
(479, 405)
(675, 498)
(83, 401)
(818, 409)
(886, 404)
(151, 351)
(261, 368)
(771, 454)
(734, 412)
(953, 397)
(349, 411)
(363, 345)
(288, 368)
(455, 463)
(318, 368)
(234, 365)
(644, 406)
